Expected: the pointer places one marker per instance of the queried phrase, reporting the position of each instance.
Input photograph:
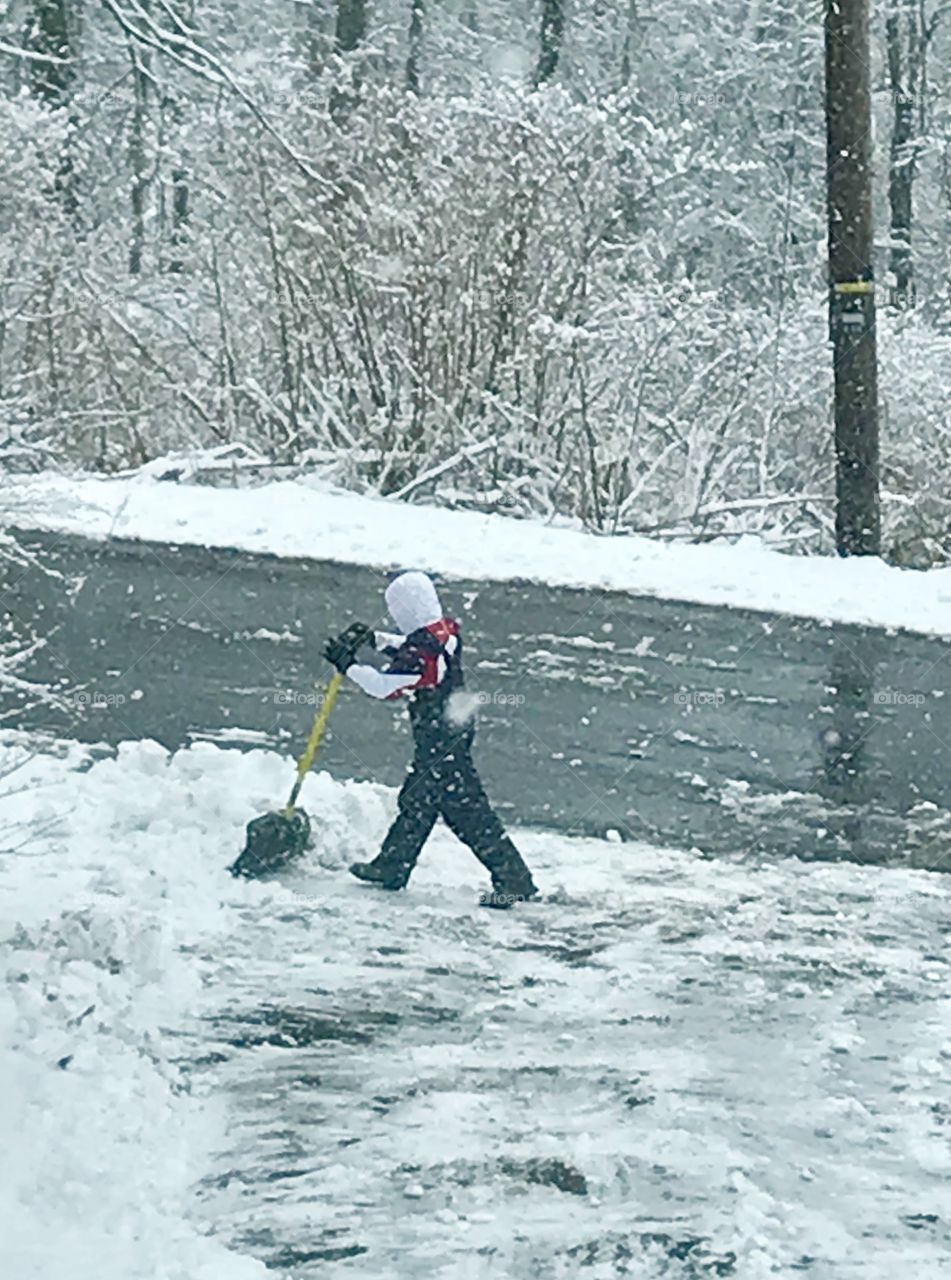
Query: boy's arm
(402, 674)
(380, 684)
(388, 642)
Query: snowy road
(675, 1067)
(680, 724)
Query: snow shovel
(275, 839)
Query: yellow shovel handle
(313, 742)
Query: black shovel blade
(273, 840)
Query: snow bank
(114, 897)
(305, 519)
(101, 908)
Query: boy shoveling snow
(426, 667)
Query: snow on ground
(102, 1140)
(297, 518)
(673, 1067)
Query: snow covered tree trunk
(901, 160)
(179, 219)
(48, 36)
(351, 24)
(551, 37)
(350, 33)
(312, 36)
(175, 109)
(52, 77)
(137, 157)
(177, 194)
(633, 37)
(414, 57)
(908, 33)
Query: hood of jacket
(412, 601)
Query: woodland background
(563, 258)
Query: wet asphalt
(721, 730)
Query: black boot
(383, 876)
(508, 888)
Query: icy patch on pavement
(672, 1067)
(300, 518)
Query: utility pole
(851, 277)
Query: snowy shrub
(916, 439)
(425, 269)
(18, 644)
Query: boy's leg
(465, 807)
(418, 809)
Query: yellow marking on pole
(854, 286)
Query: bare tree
(908, 33)
(633, 38)
(52, 76)
(351, 30)
(417, 13)
(141, 79)
(48, 35)
(351, 24)
(551, 36)
(176, 204)
(311, 26)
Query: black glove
(341, 650)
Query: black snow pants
(443, 781)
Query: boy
(426, 667)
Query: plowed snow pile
(671, 1067)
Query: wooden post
(851, 276)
